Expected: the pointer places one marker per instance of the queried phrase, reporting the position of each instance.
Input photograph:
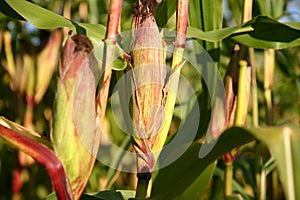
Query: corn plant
(186, 99)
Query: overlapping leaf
(283, 143)
(164, 12)
(260, 32)
(188, 167)
(46, 19)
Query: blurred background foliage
(20, 47)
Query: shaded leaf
(206, 15)
(284, 144)
(46, 19)
(236, 187)
(110, 195)
(196, 189)
(7, 10)
(188, 167)
(164, 12)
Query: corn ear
(148, 80)
(74, 119)
(171, 85)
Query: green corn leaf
(38, 16)
(255, 33)
(196, 189)
(8, 11)
(110, 194)
(274, 9)
(164, 12)
(95, 32)
(103, 195)
(188, 167)
(195, 18)
(206, 15)
(284, 144)
(214, 36)
(282, 141)
(46, 19)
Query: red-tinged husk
(74, 54)
(74, 137)
(148, 78)
(42, 155)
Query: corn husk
(74, 137)
(148, 80)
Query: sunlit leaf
(195, 19)
(255, 33)
(38, 16)
(214, 36)
(95, 32)
(284, 144)
(272, 8)
(46, 19)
